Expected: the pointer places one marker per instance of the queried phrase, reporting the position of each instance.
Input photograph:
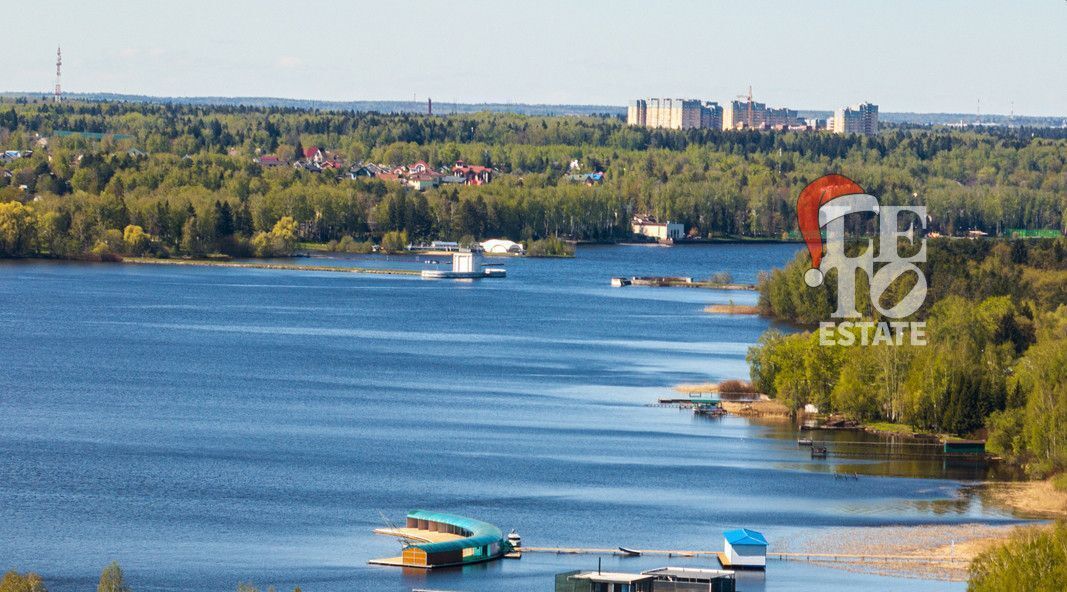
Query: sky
(904, 55)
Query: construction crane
(748, 99)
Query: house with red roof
(420, 167)
(472, 174)
(314, 154)
(426, 180)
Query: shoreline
(732, 309)
(270, 266)
(929, 551)
(950, 548)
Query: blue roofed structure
(744, 548)
(744, 536)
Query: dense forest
(995, 361)
(182, 179)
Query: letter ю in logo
(824, 204)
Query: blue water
(205, 426)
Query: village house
(423, 181)
(587, 178)
(307, 165)
(472, 174)
(10, 155)
(420, 167)
(366, 170)
(314, 154)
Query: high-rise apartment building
(673, 113)
(743, 114)
(856, 119)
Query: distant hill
(524, 108)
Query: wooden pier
(812, 557)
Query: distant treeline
(995, 363)
(182, 162)
(448, 107)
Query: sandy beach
(946, 550)
(740, 309)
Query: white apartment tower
(673, 113)
(856, 119)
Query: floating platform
(436, 539)
(465, 266)
(724, 560)
(444, 274)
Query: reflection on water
(858, 452)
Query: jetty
(676, 282)
(783, 556)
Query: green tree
(136, 240)
(27, 582)
(18, 229)
(112, 579)
(1042, 373)
(395, 241)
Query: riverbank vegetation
(1032, 559)
(188, 178)
(552, 246)
(995, 362)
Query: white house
(745, 548)
(658, 230)
(501, 246)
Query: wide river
(205, 426)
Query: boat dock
(439, 539)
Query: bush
(722, 277)
(552, 246)
(1032, 560)
(347, 244)
(736, 386)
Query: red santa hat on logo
(812, 198)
